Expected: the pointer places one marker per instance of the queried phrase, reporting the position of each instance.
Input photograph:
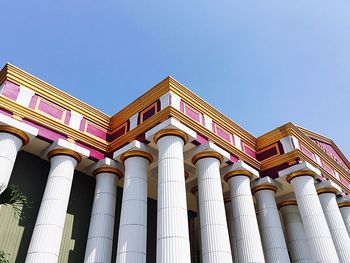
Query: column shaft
(316, 229)
(214, 233)
(295, 235)
(172, 231)
(9, 147)
(100, 237)
(133, 219)
(248, 240)
(231, 231)
(336, 226)
(273, 241)
(46, 238)
(345, 212)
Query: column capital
(108, 169)
(343, 201)
(327, 186)
(265, 183)
(16, 132)
(173, 132)
(293, 175)
(136, 153)
(230, 174)
(286, 202)
(207, 154)
(66, 152)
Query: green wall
(30, 174)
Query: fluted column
(315, 225)
(172, 226)
(133, 219)
(231, 229)
(274, 244)
(295, 234)
(335, 222)
(344, 207)
(47, 234)
(248, 240)
(100, 237)
(214, 233)
(11, 140)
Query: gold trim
(173, 132)
(237, 173)
(67, 152)
(109, 169)
(344, 204)
(54, 105)
(16, 132)
(208, 154)
(287, 202)
(264, 187)
(300, 173)
(136, 153)
(326, 190)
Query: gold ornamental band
(327, 190)
(109, 169)
(136, 153)
(173, 132)
(67, 152)
(237, 173)
(264, 187)
(211, 154)
(344, 204)
(16, 132)
(300, 173)
(287, 202)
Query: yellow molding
(62, 98)
(174, 132)
(208, 154)
(67, 152)
(108, 169)
(16, 132)
(278, 160)
(136, 153)
(266, 186)
(287, 202)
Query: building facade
(168, 179)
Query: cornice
(201, 105)
(62, 98)
(52, 124)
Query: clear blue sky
(262, 63)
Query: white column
(315, 225)
(344, 207)
(47, 234)
(294, 230)
(133, 219)
(214, 233)
(274, 244)
(100, 237)
(231, 229)
(11, 140)
(335, 222)
(248, 240)
(172, 224)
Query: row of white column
(319, 223)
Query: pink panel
(307, 152)
(223, 134)
(10, 90)
(181, 106)
(33, 101)
(45, 132)
(95, 154)
(6, 113)
(67, 119)
(233, 159)
(96, 132)
(192, 114)
(330, 151)
(200, 139)
(327, 168)
(50, 110)
(249, 151)
(82, 125)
